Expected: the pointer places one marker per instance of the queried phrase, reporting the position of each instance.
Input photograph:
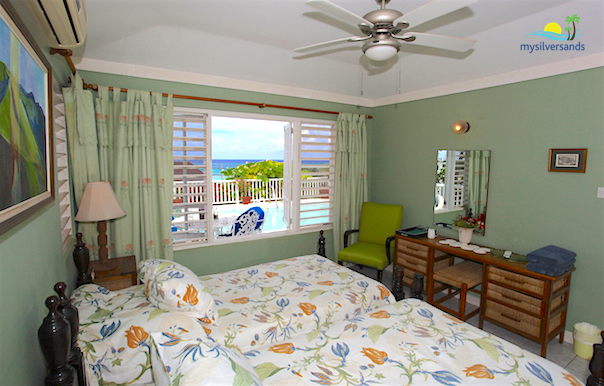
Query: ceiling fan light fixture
(381, 50)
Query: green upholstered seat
(376, 229)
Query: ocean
(220, 164)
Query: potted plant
(466, 225)
(244, 193)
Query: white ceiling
(251, 42)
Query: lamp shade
(99, 203)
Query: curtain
(135, 155)
(350, 190)
(82, 140)
(478, 177)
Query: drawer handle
(511, 298)
(509, 317)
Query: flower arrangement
(468, 222)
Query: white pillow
(173, 287)
(199, 361)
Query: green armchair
(377, 228)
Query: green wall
(31, 262)
(528, 207)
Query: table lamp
(100, 204)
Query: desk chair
(377, 227)
(464, 276)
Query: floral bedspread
(261, 305)
(407, 343)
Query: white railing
(227, 191)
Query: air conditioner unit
(65, 22)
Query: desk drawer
(517, 281)
(517, 299)
(412, 248)
(412, 262)
(420, 265)
(519, 320)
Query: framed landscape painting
(26, 152)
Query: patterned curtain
(350, 189)
(82, 140)
(128, 143)
(135, 155)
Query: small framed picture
(567, 160)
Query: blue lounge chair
(248, 222)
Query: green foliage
(262, 170)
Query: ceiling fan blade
(338, 12)
(432, 10)
(439, 41)
(325, 44)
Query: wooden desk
(525, 302)
(122, 276)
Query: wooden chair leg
(462, 301)
(340, 262)
(379, 275)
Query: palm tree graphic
(572, 19)
(569, 28)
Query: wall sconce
(461, 127)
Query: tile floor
(561, 354)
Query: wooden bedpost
(54, 336)
(596, 365)
(71, 314)
(321, 245)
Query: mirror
(462, 185)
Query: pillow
(173, 287)
(199, 361)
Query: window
(451, 176)
(64, 183)
(206, 208)
(191, 167)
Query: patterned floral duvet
(407, 343)
(258, 306)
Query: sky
(254, 139)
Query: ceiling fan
(385, 29)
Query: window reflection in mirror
(462, 185)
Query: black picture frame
(567, 160)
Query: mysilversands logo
(553, 31)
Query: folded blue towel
(548, 269)
(551, 255)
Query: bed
(304, 320)
(257, 306)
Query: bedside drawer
(413, 248)
(519, 320)
(113, 283)
(517, 281)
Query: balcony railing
(227, 191)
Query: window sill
(241, 239)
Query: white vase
(465, 235)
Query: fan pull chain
(361, 83)
(399, 77)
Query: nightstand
(122, 276)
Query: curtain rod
(67, 55)
(196, 98)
